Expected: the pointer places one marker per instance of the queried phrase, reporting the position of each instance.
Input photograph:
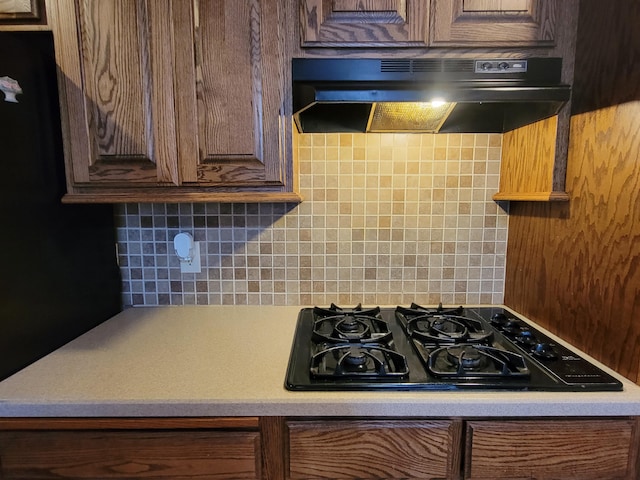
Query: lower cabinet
(533, 449)
(587, 449)
(374, 449)
(278, 448)
(130, 449)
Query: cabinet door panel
(116, 90)
(373, 449)
(16, 12)
(129, 455)
(364, 23)
(232, 93)
(574, 449)
(494, 23)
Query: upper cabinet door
(364, 23)
(230, 81)
(486, 23)
(22, 12)
(117, 91)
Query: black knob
(503, 66)
(544, 350)
(486, 66)
(499, 319)
(526, 338)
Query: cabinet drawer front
(129, 454)
(372, 449)
(577, 449)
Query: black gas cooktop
(420, 348)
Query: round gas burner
(352, 327)
(466, 357)
(449, 328)
(373, 362)
(355, 357)
(469, 361)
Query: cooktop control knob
(499, 319)
(526, 339)
(503, 66)
(545, 351)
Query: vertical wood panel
(113, 76)
(228, 46)
(576, 268)
(528, 156)
(185, 97)
(161, 73)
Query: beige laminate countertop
(231, 361)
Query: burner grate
(476, 361)
(370, 361)
(337, 325)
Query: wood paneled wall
(575, 268)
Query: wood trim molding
(129, 423)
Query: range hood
(438, 95)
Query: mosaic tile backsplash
(386, 219)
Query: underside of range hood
(482, 96)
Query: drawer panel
(183, 454)
(572, 449)
(373, 449)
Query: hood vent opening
(423, 117)
(485, 96)
(427, 65)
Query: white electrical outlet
(194, 265)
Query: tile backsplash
(386, 219)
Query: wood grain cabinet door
(117, 91)
(364, 23)
(174, 94)
(593, 449)
(368, 449)
(480, 23)
(17, 12)
(230, 100)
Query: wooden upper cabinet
(487, 23)
(21, 13)
(232, 94)
(174, 101)
(117, 91)
(364, 23)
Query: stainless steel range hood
(425, 95)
